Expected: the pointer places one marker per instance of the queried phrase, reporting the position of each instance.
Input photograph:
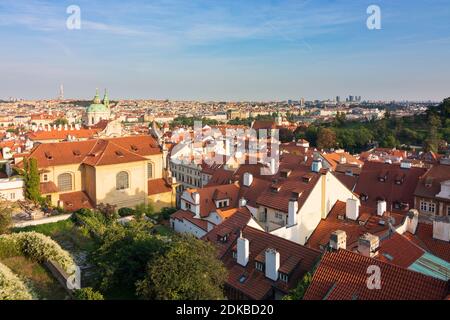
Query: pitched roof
(157, 186)
(368, 222)
(301, 180)
(343, 275)
(207, 203)
(430, 183)
(424, 238)
(95, 152)
(189, 216)
(48, 187)
(74, 201)
(295, 260)
(390, 190)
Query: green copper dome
(97, 105)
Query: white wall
(187, 227)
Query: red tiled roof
(63, 134)
(48, 187)
(424, 238)
(343, 275)
(157, 186)
(397, 249)
(189, 216)
(74, 201)
(207, 203)
(369, 184)
(95, 152)
(434, 176)
(295, 260)
(353, 229)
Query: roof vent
(119, 153)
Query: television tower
(61, 92)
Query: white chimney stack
(412, 221)
(381, 207)
(248, 179)
(352, 209)
(441, 228)
(368, 245)
(243, 250)
(272, 264)
(338, 240)
(196, 197)
(242, 202)
(316, 165)
(292, 212)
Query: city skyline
(226, 51)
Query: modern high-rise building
(338, 99)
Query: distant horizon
(226, 50)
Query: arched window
(65, 182)
(149, 170)
(122, 180)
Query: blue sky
(226, 50)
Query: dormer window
(285, 173)
(382, 177)
(234, 254)
(48, 155)
(399, 179)
(259, 266)
(364, 197)
(283, 277)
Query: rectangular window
(259, 266)
(278, 216)
(12, 196)
(448, 210)
(45, 178)
(427, 206)
(283, 277)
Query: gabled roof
(95, 152)
(343, 275)
(295, 259)
(424, 238)
(369, 183)
(430, 183)
(368, 222)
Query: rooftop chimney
(441, 228)
(248, 179)
(316, 165)
(196, 197)
(412, 220)
(405, 164)
(368, 245)
(338, 240)
(292, 212)
(272, 264)
(243, 250)
(381, 207)
(352, 209)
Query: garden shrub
(37, 247)
(124, 212)
(11, 287)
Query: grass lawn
(41, 282)
(66, 233)
(163, 230)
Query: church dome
(97, 105)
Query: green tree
(61, 121)
(326, 138)
(123, 255)
(87, 294)
(189, 270)
(300, 290)
(5, 217)
(31, 180)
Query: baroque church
(97, 111)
